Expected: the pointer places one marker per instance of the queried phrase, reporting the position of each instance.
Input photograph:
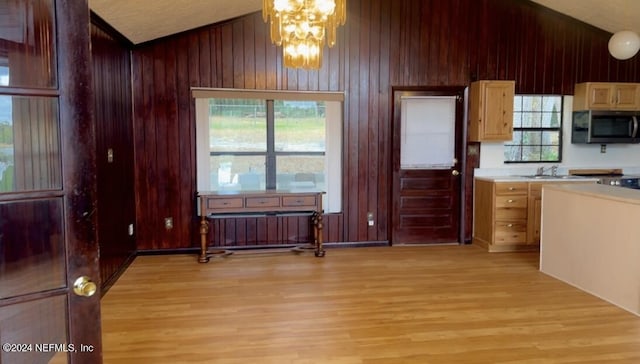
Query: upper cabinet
(606, 96)
(491, 110)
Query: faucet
(554, 170)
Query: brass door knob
(455, 172)
(83, 286)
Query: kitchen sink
(548, 176)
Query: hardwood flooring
(443, 304)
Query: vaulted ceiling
(144, 20)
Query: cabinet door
(601, 96)
(535, 220)
(491, 110)
(534, 216)
(627, 97)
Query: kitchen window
(250, 141)
(537, 129)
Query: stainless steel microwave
(605, 127)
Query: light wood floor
(444, 305)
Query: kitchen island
(590, 239)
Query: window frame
(541, 129)
(333, 152)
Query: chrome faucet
(554, 170)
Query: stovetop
(612, 177)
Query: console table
(234, 204)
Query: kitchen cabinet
(606, 96)
(508, 214)
(491, 110)
(501, 213)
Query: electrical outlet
(370, 221)
(168, 223)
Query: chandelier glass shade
(303, 27)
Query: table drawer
(299, 201)
(511, 201)
(263, 202)
(224, 203)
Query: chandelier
(302, 27)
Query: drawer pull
(512, 188)
(510, 201)
(509, 225)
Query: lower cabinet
(507, 215)
(501, 212)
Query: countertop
(534, 179)
(620, 194)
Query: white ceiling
(609, 15)
(144, 20)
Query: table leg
(317, 229)
(204, 231)
(206, 254)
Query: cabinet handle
(510, 201)
(509, 225)
(512, 188)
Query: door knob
(83, 286)
(455, 172)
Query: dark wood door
(426, 199)
(47, 186)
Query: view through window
(537, 129)
(272, 144)
(6, 145)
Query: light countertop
(535, 179)
(620, 194)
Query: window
(537, 129)
(280, 142)
(4, 74)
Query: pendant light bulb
(624, 44)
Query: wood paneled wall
(385, 43)
(111, 66)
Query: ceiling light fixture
(300, 27)
(624, 44)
